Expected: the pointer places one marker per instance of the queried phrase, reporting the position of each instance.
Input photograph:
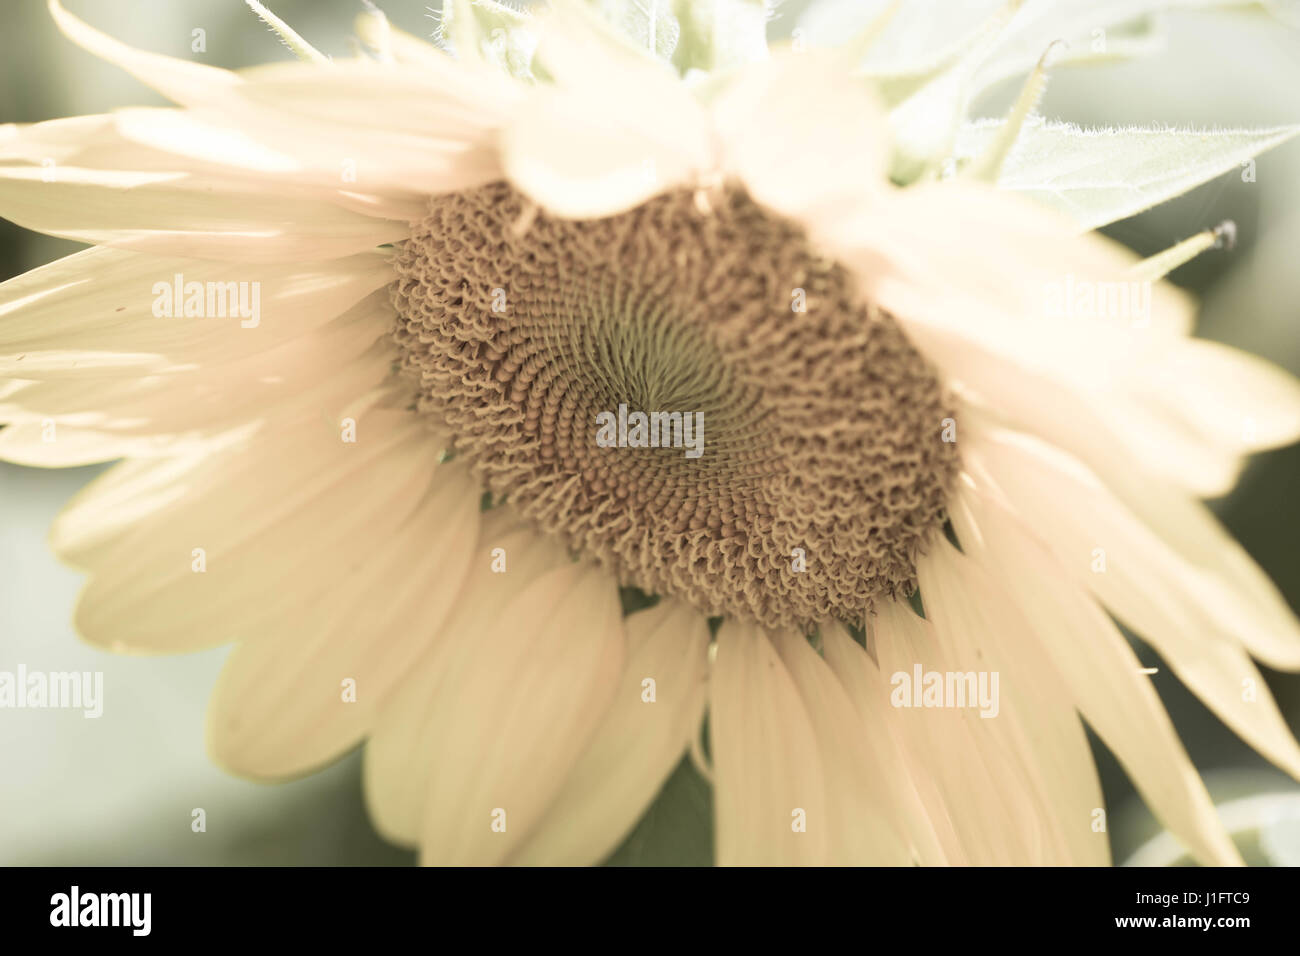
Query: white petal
(324, 369)
(384, 127)
(992, 290)
(915, 790)
(984, 807)
(186, 214)
(1104, 679)
(281, 522)
(1032, 714)
(1256, 613)
(368, 127)
(519, 702)
(803, 134)
(49, 445)
(1210, 585)
(113, 302)
(865, 824)
(616, 129)
(1233, 399)
(294, 698)
(1028, 269)
(397, 763)
(587, 155)
(637, 745)
(1105, 426)
(768, 774)
(1187, 614)
(120, 498)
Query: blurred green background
(120, 790)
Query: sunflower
(424, 371)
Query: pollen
(565, 357)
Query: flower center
(692, 397)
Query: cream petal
(1028, 266)
(637, 745)
(323, 370)
(1104, 677)
(46, 444)
(104, 301)
(126, 138)
(1208, 582)
(615, 129)
(865, 824)
(803, 134)
(119, 499)
(518, 704)
(455, 104)
(915, 792)
(386, 127)
(293, 151)
(976, 792)
(67, 141)
(397, 766)
(1255, 612)
(1230, 398)
(405, 128)
(768, 778)
(299, 696)
(1032, 713)
(593, 153)
(1183, 611)
(578, 49)
(1011, 328)
(186, 214)
(1010, 333)
(280, 521)
(1099, 426)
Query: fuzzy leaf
(931, 95)
(921, 37)
(1100, 176)
(1140, 36)
(927, 34)
(720, 34)
(494, 32)
(648, 24)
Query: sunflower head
(813, 426)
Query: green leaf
(917, 42)
(1099, 176)
(720, 34)
(926, 35)
(930, 69)
(1127, 40)
(492, 31)
(648, 24)
(1096, 30)
(1140, 36)
(925, 124)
